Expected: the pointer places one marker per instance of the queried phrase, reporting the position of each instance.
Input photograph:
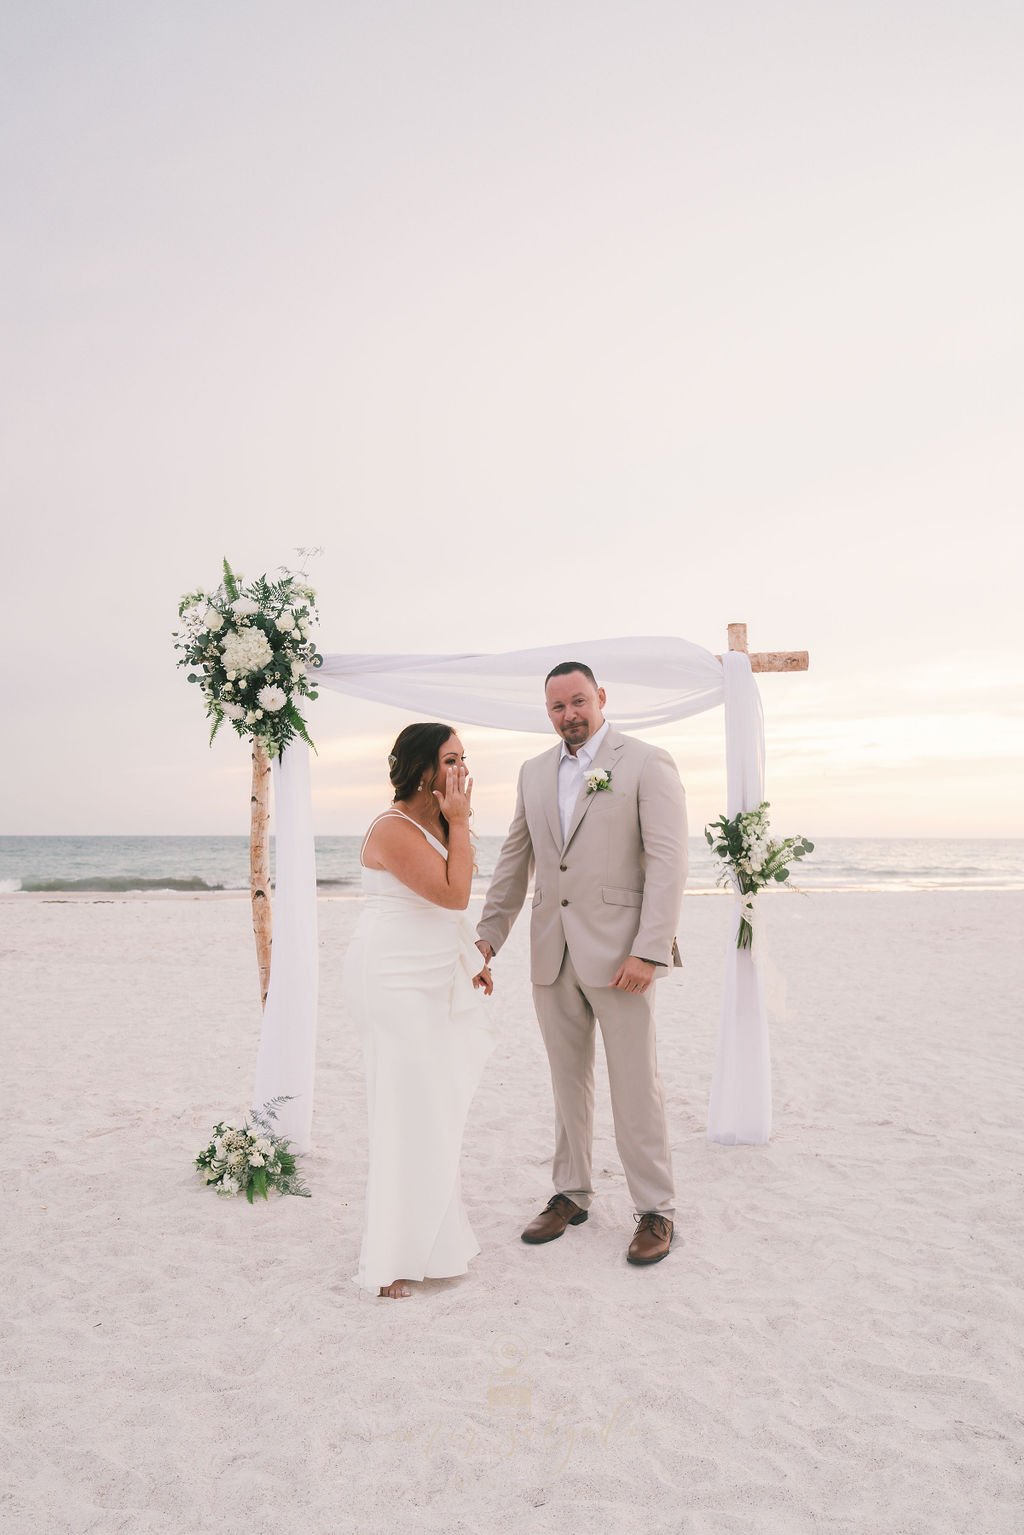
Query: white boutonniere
(597, 779)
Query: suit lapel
(609, 748)
(551, 796)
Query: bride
(411, 982)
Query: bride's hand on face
(455, 801)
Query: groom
(602, 817)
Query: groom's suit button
(563, 867)
(565, 903)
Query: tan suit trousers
(567, 1010)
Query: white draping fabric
(286, 1060)
(655, 680)
(740, 1107)
(652, 682)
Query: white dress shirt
(570, 775)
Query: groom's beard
(575, 735)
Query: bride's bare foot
(398, 1289)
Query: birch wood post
(767, 660)
(259, 864)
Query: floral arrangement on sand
(250, 1158)
(248, 650)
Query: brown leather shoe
(652, 1239)
(559, 1212)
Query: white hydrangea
(271, 698)
(233, 711)
(249, 650)
(255, 1160)
(244, 607)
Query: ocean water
(118, 864)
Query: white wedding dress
(408, 986)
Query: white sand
(832, 1345)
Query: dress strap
(383, 816)
(369, 829)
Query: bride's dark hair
(414, 757)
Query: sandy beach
(832, 1345)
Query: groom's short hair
(565, 667)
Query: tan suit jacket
(615, 886)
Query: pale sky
(548, 321)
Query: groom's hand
(485, 949)
(633, 975)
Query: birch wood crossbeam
(767, 660)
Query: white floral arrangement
(752, 860)
(248, 650)
(250, 1158)
(597, 780)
